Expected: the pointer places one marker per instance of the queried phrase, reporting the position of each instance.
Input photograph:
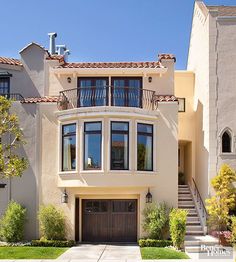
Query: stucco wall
(106, 183)
(198, 62)
(24, 189)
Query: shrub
(219, 205)
(52, 243)
(154, 243)
(233, 229)
(156, 221)
(12, 223)
(178, 219)
(52, 223)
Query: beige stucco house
(102, 137)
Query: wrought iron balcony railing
(107, 96)
(13, 96)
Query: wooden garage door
(109, 220)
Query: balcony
(13, 96)
(107, 96)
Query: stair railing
(199, 205)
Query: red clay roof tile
(165, 98)
(46, 99)
(166, 56)
(10, 61)
(113, 65)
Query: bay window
(92, 145)
(145, 147)
(69, 147)
(119, 145)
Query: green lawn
(161, 253)
(31, 252)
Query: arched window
(226, 142)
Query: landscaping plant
(11, 163)
(178, 218)
(233, 230)
(12, 223)
(219, 205)
(156, 220)
(52, 223)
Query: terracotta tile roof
(46, 99)
(165, 98)
(223, 10)
(166, 56)
(10, 61)
(113, 65)
(60, 58)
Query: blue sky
(102, 30)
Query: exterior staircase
(185, 201)
(194, 230)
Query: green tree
(219, 205)
(11, 138)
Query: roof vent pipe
(66, 54)
(52, 43)
(60, 49)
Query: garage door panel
(109, 220)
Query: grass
(161, 253)
(31, 252)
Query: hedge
(154, 243)
(53, 243)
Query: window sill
(227, 155)
(145, 172)
(91, 171)
(65, 173)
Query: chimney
(52, 43)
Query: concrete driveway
(95, 253)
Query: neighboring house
(105, 135)
(97, 133)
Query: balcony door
(126, 91)
(92, 91)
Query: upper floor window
(145, 147)
(226, 142)
(126, 91)
(92, 145)
(181, 104)
(4, 85)
(92, 91)
(69, 147)
(119, 145)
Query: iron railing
(199, 200)
(107, 96)
(13, 96)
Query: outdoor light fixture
(3, 185)
(149, 197)
(69, 80)
(150, 79)
(64, 197)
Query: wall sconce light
(69, 80)
(148, 197)
(3, 185)
(64, 197)
(150, 79)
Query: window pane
(4, 86)
(181, 104)
(69, 129)
(145, 128)
(119, 154)
(69, 153)
(92, 154)
(96, 126)
(144, 152)
(120, 126)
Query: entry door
(109, 220)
